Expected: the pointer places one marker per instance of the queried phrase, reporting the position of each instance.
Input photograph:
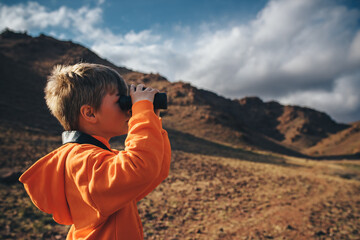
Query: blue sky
(126, 15)
(300, 52)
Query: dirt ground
(216, 198)
(209, 196)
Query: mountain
(340, 143)
(247, 123)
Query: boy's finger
(139, 87)
(132, 88)
(149, 89)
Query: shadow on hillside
(337, 157)
(189, 143)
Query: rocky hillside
(248, 123)
(342, 142)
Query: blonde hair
(70, 87)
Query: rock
(9, 176)
(290, 227)
(320, 233)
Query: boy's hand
(138, 94)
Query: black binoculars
(160, 102)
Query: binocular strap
(81, 138)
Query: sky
(297, 52)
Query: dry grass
(212, 192)
(209, 197)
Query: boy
(84, 183)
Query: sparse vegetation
(211, 195)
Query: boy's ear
(88, 114)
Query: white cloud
(343, 100)
(33, 16)
(294, 51)
(298, 41)
(354, 53)
(300, 52)
(101, 2)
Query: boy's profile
(84, 183)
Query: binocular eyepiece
(160, 101)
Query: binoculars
(160, 102)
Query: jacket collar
(83, 138)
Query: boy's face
(112, 121)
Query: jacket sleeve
(164, 168)
(115, 180)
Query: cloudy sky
(300, 52)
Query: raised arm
(115, 180)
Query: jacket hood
(45, 184)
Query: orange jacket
(96, 190)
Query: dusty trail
(288, 216)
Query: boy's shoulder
(85, 153)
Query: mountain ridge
(248, 123)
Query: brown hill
(293, 126)
(343, 142)
(248, 123)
